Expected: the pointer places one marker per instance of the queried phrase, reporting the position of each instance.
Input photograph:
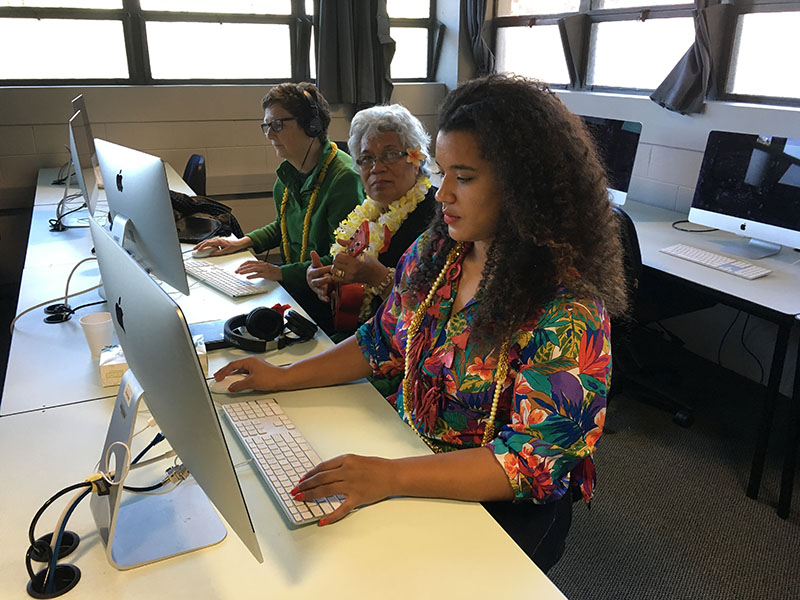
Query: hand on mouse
(259, 375)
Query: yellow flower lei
(309, 210)
(373, 212)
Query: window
(764, 57)
(177, 41)
(634, 44)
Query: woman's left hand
(259, 268)
(360, 479)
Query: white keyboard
(281, 454)
(222, 280)
(720, 262)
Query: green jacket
(341, 191)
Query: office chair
(642, 357)
(195, 174)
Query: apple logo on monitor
(119, 181)
(118, 310)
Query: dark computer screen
(616, 142)
(751, 177)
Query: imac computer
(616, 142)
(81, 149)
(166, 373)
(78, 104)
(749, 185)
(140, 208)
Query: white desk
(400, 548)
(775, 298)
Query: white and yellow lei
(380, 219)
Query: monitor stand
(147, 528)
(753, 248)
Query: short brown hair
(292, 97)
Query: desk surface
(778, 292)
(400, 548)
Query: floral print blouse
(552, 406)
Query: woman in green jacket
(316, 189)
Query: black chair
(195, 174)
(644, 358)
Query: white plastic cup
(99, 331)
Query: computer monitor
(616, 142)
(81, 149)
(79, 104)
(139, 204)
(158, 348)
(749, 185)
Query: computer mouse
(221, 387)
(202, 253)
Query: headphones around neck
(314, 127)
(258, 330)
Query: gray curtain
(481, 54)
(354, 52)
(574, 38)
(690, 81)
(302, 44)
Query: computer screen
(81, 149)
(78, 104)
(749, 184)
(158, 348)
(139, 203)
(616, 142)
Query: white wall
(667, 164)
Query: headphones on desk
(264, 328)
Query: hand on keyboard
(359, 479)
(259, 268)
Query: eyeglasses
(276, 125)
(367, 161)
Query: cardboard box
(113, 364)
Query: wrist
(384, 285)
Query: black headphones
(314, 127)
(258, 329)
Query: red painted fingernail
(323, 522)
(293, 491)
(300, 496)
(230, 388)
(302, 479)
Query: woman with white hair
(390, 148)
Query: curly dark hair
(292, 97)
(556, 226)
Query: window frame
(678, 9)
(134, 20)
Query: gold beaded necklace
(413, 328)
(309, 210)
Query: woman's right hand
(220, 246)
(318, 277)
(260, 375)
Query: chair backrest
(195, 174)
(632, 255)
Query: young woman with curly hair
(498, 321)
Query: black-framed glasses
(276, 125)
(367, 161)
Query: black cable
(676, 223)
(148, 488)
(744, 345)
(159, 437)
(57, 225)
(722, 341)
(43, 548)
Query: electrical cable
(50, 579)
(722, 341)
(676, 223)
(159, 437)
(744, 345)
(67, 295)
